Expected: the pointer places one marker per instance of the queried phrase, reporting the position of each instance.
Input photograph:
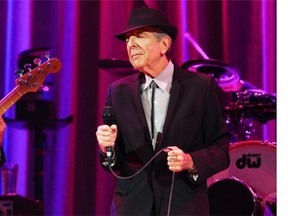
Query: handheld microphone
(109, 119)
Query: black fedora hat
(147, 17)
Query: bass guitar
(30, 82)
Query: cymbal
(241, 85)
(117, 66)
(224, 74)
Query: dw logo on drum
(249, 160)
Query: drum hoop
(249, 142)
(257, 198)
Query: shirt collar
(163, 80)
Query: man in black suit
(185, 125)
(2, 131)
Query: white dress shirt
(161, 99)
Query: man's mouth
(135, 55)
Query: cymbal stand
(189, 37)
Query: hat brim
(170, 30)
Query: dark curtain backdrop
(79, 34)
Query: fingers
(174, 158)
(174, 151)
(175, 161)
(106, 136)
(106, 131)
(170, 148)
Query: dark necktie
(153, 85)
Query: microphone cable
(133, 175)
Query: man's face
(144, 49)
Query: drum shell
(261, 175)
(231, 196)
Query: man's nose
(131, 41)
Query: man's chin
(137, 65)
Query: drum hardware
(232, 196)
(240, 129)
(241, 85)
(249, 106)
(270, 205)
(259, 112)
(246, 124)
(225, 75)
(253, 103)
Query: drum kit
(248, 186)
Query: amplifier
(18, 205)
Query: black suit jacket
(194, 123)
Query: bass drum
(253, 162)
(232, 196)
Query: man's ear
(165, 44)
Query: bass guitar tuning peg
(19, 72)
(47, 55)
(27, 67)
(37, 61)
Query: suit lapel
(136, 94)
(173, 104)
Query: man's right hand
(106, 136)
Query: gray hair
(160, 35)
